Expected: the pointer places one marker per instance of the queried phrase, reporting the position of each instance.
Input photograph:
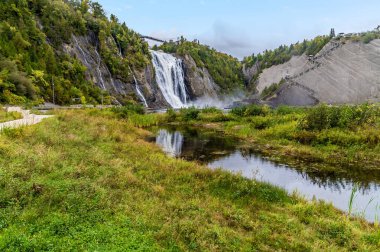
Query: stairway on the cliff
(315, 63)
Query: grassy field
(330, 139)
(8, 116)
(87, 181)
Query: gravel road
(28, 119)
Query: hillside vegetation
(32, 33)
(284, 53)
(225, 70)
(87, 181)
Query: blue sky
(243, 27)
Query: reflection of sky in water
(292, 180)
(251, 166)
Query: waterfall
(170, 78)
(99, 61)
(139, 93)
(171, 143)
(98, 64)
(138, 90)
(118, 47)
(110, 76)
(82, 52)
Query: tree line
(32, 35)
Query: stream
(216, 150)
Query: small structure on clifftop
(332, 33)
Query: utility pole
(52, 81)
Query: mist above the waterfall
(170, 78)
(221, 102)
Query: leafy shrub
(208, 110)
(256, 110)
(371, 137)
(339, 137)
(238, 111)
(305, 137)
(215, 117)
(129, 109)
(260, 122)
(286, 110)
(279, 131)
(325, 117)
(189, 114)
(271, 90)
(251, 110)
(171, 115)
(368, 37)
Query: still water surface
(219, 151)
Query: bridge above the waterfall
(153, 39)
(176, 41)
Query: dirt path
(28, 119)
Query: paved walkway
(28, 119)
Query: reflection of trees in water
(207, 146)
(337, 181)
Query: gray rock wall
(341, 73)
(198, 80)
(84, 48)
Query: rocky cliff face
(198, 80)
(147, 81)
(85, 49)
(199, 83)
(342, 72)
(250, 72)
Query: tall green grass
(353, 195)
(143, 121)
(8, 116)
(87, 181)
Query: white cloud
(230, 39)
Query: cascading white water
(170, 78)
(99, 61)
(139, 93)
(82, 52)
(171, 143)
(118, 47)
